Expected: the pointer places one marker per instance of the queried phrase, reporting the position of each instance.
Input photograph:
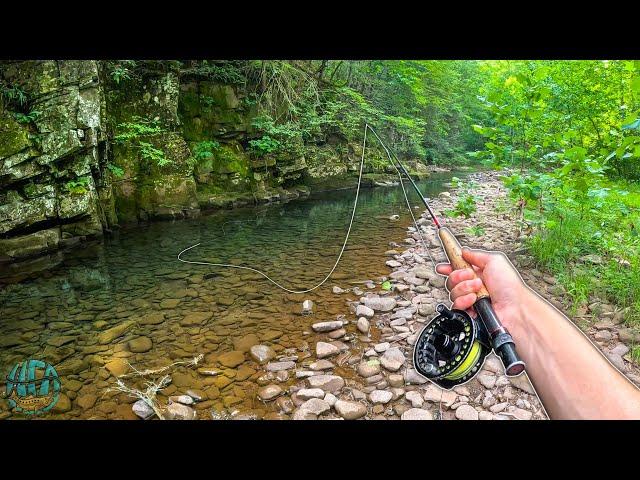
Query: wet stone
(350, 410)
(416, 414)
(269, 392)
(262, 353)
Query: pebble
(522, 382)
(309, 393)
(363, 325)
(416, 414)
(231, 359)
(269, 392)
(369, 368)
(395, 380)
(278, 366)
(380, 396)
(324, 350)
(140, 345)
(142, 410)
(350, 410)
(381, 347)
(363, 311)
(262, 353)
(485, 416)
(380, 304)
(393, 359)
(321, 365)
(415, 398)
(620, 349)
(466, 412)
(177, 411)
(183, 399)
(322, 327)
(412, 377)
(317, 406)
(328, 383)
(487, 381)
(436, 394)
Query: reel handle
(454, 252)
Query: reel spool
(451, 348)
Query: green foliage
(27, 118)
(572, 129)
(121, 71)
(466, 205)
(476, 230)
(135, 132)
(204, 150)
(115, 170)
(78, 186)
(15, 96)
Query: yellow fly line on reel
(451, 349)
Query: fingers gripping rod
(501, 340)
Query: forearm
(572, 377)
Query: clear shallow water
(134, 278)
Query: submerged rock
(262, 353)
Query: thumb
(479, 258)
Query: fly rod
(451, 349)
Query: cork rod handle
(454, 252)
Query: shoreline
(384, 327)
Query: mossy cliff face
(51, 178)
(85, 152)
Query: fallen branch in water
(149, 395)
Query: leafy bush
(134, 132)
(204, 150)
(466, 205)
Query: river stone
(154, 318)
(278, 366)
(620, 349)
(380, 304)
(321, 365)
(324, 350)
(112, 333)
(63, 404)
(393, 359)
(117, 367)
(169, 303)
(416, 414)
(269, 392)
(341, 332)
(243, 373)
(326, 326)
(364, 311)
(142, 410)
(302, 414)
(195, 318)
(309, 393)
(488, 381)
(363, 325)
(177, 411)
(316, 406)
(61, 340)
(183, 399)
(415, 398)
(244, 344)
(522, 382)
(350, 410)
(328, 383)
(412, 377)
(380, 396)
(435, 279)
(231, 359)
(436, 394)
(381, 347)
(140, 345)
(262, 353)
(369, 368)
(86, 401)
(466, 412)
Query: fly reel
(451, 348)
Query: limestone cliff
(83, 151)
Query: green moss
(13, 136)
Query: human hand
(499, 276)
